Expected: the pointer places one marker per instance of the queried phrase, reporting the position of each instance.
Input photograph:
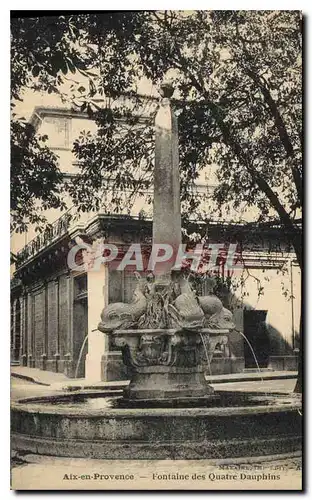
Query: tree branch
(280, 126)
(229, 139)
(278, 120)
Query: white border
(305, 6)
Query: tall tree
(238, 81)
(47, 52)
(238, 85)
(43, 51)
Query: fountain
(167, 334)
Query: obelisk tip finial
(166, 88)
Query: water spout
(252, 352)
(80, 355)
(206, 353)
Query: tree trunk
(298, 386)
(297, 244)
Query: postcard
(156, 250)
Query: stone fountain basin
(103, 425)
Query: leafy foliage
(44, 50)
(35, 178)
(237, 76)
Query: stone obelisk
(167, 211)
(159, 331)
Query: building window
(57, 128)
(81, 287)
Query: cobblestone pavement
(22, 388)
(286, 385)
(52, 378)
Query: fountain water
(252, 351)
(80, 355)
(168, 410)
(206, 352)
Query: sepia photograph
(156, 331)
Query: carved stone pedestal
(164, 382)
(164, 363)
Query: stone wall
(47, 329)
(64, 311)
(52, 312)
(39, 326)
